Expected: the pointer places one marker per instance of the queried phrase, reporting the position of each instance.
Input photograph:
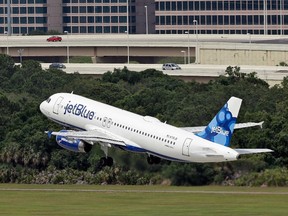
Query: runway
(147, 191)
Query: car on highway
(57, 66)
(54, 39)
(170, 66)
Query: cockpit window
(48, 100)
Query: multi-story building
(145, 16)
(222, 17)
(77, 16)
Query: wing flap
(92, 135)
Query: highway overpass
(200, 73)
(149, 49)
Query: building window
(75, 20)
(15, 10)
(74, 9)
(106, 19)
(41, 10)
(83, 29)
(83, 20)
(23, 10)
(90, 19)
(173, 6)
(232, 20)
(114, 9)
(66, 19)
(106, 9)
(42, 20)
(90, 9)
(98, 19)
(82, 10)
(16, 30)
(114, 29)
(173, 20)
(98, 9)
(122, 29)
(168, 6)
(191, 6)
(15, 20)
(106, 29)
(123, 9)
(23, 20)
(30, 19)
(180, 20)
(162, 20)
(162, 6)
(168, 20)
(114, 19)
(226, 6)
(220, 20)
(65, 9)
(122, 19)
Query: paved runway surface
(144, 191)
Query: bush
(270, 177)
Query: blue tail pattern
(221, 128)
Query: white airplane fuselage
(141, 134)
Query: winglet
(221, 128)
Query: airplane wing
(198, 129)
(95, 135)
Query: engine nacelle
(74, 145)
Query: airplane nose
(42, 108)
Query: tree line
(28, 156)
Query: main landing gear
(106, 161)
(153, 159)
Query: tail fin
(221, 128)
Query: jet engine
(74, 145)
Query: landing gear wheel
(109, 161)
(106, 162)
(153, 159)
(149, 160)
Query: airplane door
(57, 105)
(186, 147)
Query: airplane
(93, 122)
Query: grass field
(141, 200)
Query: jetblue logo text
(219, 130)
(79, 110)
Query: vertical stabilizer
(221, 128)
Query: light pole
(249, 35)
(67, 33)
(128, 47)
(197, 49)
(127, 15)
(265, 16)
(188, 53)
(20, 51)
(146, 16)
(7, 43)
(184, 55)
(281, 17)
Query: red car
(54, 39)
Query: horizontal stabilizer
(197, 129)
(249, 124)
(252, 151)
